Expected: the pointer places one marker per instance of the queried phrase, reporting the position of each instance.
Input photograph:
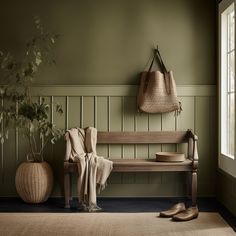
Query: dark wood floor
(117, 205)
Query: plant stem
(30, 140)
(35, 145)
(44, 144)
(31, 146)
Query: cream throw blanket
(93, 170)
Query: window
(227, 87)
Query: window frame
(226, 163)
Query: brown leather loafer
(177, 208)
(188, 214)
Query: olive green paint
(110, 41)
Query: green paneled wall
(110, 41)
(113, 108)
(226, 190)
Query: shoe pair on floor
(179, 212)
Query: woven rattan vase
(34, 181)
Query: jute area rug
(112, 224)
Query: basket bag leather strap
(157, 56)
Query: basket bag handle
(157, 56)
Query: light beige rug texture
(112, 224)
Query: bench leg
(67, 189)
(194, 188)
(189, 184)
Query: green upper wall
(110, 42)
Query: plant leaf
(53, 140)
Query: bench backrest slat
(142, 137)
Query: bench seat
(139, 165)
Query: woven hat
(170, 156)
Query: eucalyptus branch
(17, 77)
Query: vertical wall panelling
(82, 111)
(109, 122)
(74, 119)
(74, 111)
(41, 141)
(66, 111)
(142, 149)
(59, 148)
(113, 108)
(109, 113)
(186, 119)
(129, 124)
(88, 111)
(116, 108)
(123, 177)
(48, 151)
(102, 113)
(202, 119)
(116, 114)
(95, 111)
(59, 119)
(214, 137)
(122, 124)
(135, 129)
(2, 157)
(169, 124)
(142, 125)
(129, 111)
(155, 125)
(102, 122)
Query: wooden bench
(190, 165)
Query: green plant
(17, 106)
